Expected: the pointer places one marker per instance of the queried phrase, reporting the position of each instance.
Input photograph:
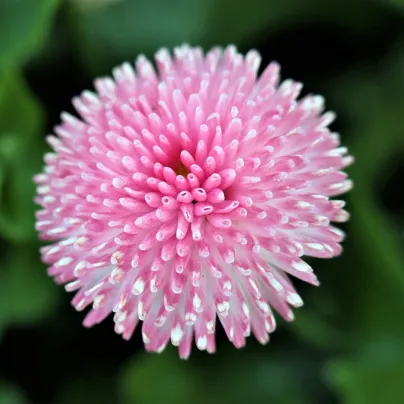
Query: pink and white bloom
(189, 193)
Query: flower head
(191, 193)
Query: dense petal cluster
(189, 193)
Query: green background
(347, 343)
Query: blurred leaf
(23, 28)
(373, 263)
(366, 283)
(146, 26)
(399, 4)
(26, 293)
(90, 5)
(242, 376)
(375, 375)
(315, 321)
(315, 329)
(143, 26)
(10, 394)
(161, 378)
(375, 109)
(240, 21)
(20, 112)
(261, 375)
(16, 205)
(89, 388)
(21, 154)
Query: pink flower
(191, 193)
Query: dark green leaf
(366, 284)
(161, 378)
(21, 156)
(10, 394)
(375, 375)
(23, 28)
(120, 30)
(258, 374)
(253, 376)
(375, 109)
(89, 388)
(27, 294)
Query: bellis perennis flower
(189, 193)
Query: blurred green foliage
(26, 295)
(347, 343)
(203, 22)
(20, 140)
(24, 24)
(10, 394)
(373, 375)
(250, 378)
(177, 381)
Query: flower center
(181, 170)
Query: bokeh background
(347, 343)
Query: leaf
(240, 21)
(366, 283)
(397, 4)
(375, 109)
(20, 112)
(10, 394)
(27, 294)
(21, 154)
(17, 206)
(375, 375)
(142, 28)
(89, 388)
(24, 25)
(233, 376)
(146, 26)
(89, 5)
(177, 380)
(310, 325)
(259, 374)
